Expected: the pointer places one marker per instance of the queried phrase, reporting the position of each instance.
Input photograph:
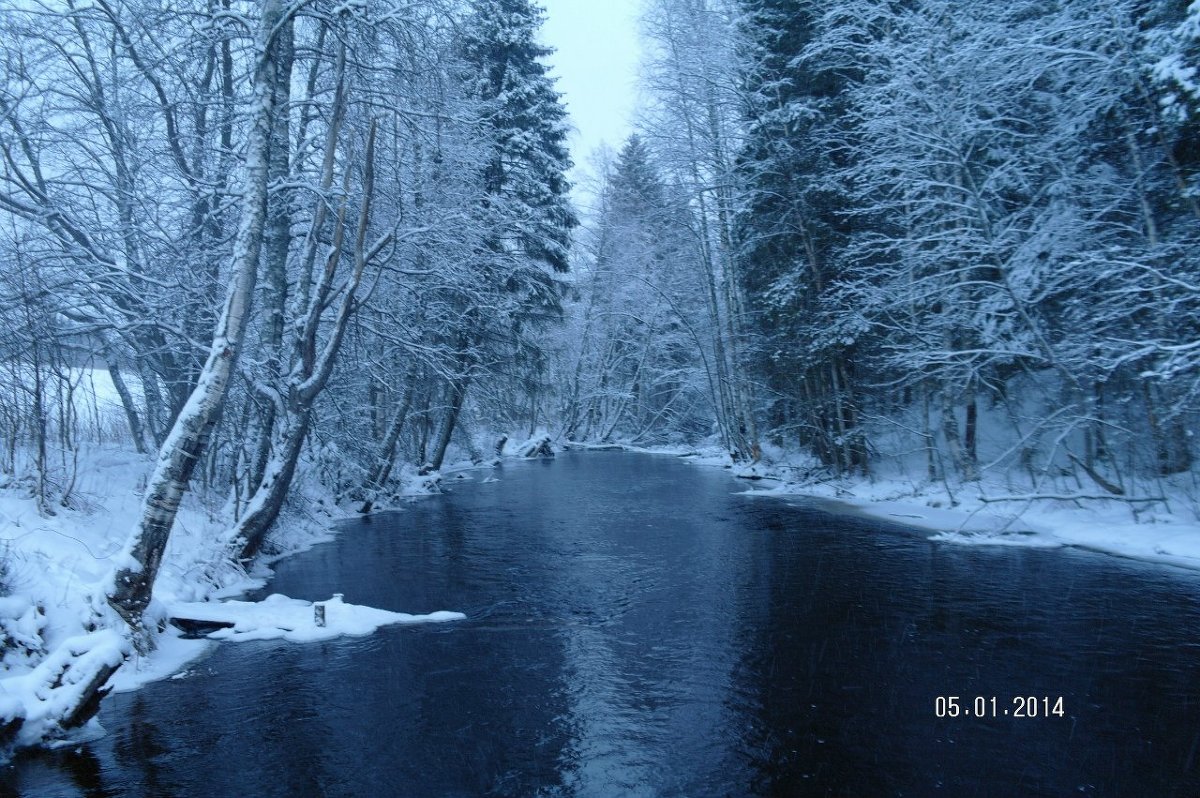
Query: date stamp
(1021, 706)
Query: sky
(596, 65)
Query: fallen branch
(62, 693)
(1116, 490)
(1070, 498)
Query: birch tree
(133, 583)
(692, 75)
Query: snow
(278, 616)
(42, 699)
(55, 624)
(539, 436)
(173, 653)
(1169, 536)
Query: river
(639, 627)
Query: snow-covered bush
(21, 626)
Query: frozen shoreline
(1159, 535)
(57, 567)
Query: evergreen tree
(523, 209)
(791, 228)
(636, 187)
(640, 372)
(526, 127)
(1173, 44)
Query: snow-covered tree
(639, 372)
(1003, 169)
(694, 126)
(525, 211)
(191, 432)
(792, 230)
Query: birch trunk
(458, 394)
(387, 452)
(128, 405)
(133, 583)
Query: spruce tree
(524, 209)
(791, 228)
(636, 187)
(640, 374)
(526, 126)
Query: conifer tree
(640, 370)
(526, 124)
(791, 228)
(524, 207)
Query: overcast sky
(596, 66)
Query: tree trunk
(153, 402)
(264, 506)
(277, 239)
(930, 440)
(387, 452)
(133, 583)
(970, 429)
(458, 393)
(39, 430)
(310, 375)
(131, 415)
(950, 433)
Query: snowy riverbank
(1163, 531)
(55, 569)
(56, 566)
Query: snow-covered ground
(57, 632)
(1165, 532)
(56, 568)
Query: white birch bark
(133, 582)
(313, 368)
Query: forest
(332, 245)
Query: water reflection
(637, 629)
(653, 660)
(67, 773)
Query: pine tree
(524, 208)
(644, 369)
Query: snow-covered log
(62, 693)
(538, 447)
(278, 616)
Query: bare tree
(181, 452)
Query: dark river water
(637, 628)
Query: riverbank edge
(1168, 535)
(54, 567)
(67, 593)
